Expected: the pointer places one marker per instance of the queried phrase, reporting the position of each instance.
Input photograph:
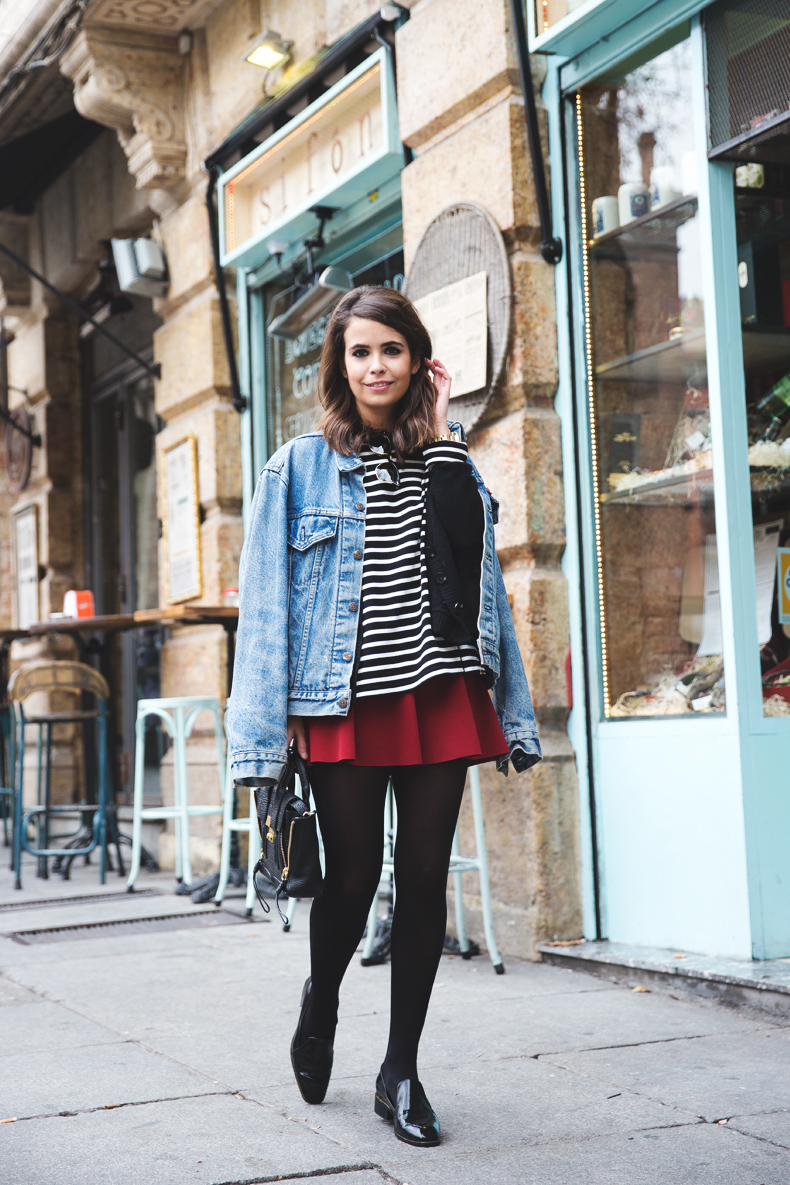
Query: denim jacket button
(357, 555)
(441, 579)
(360, 506)
(342, 703)
(353, 606)
(347, 656)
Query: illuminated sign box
(341, 147)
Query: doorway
(122, 556)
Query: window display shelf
(675, 361)
(667, 362)
(765, 350)
(656, 229)
(679, 487)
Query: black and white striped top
(399, 650)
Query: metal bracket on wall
(154, 369)
(550, 247)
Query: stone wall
(166, 106)
(466, 128)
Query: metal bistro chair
(178, 714)
(73, 678)
(458, 865)
(8, 776)
(230, 823)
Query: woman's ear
(417, 365)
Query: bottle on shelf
(775, 408)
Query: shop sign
(26, 547)
(338, 149)
(456, 318)
(182, 522)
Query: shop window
(762, 219)
(748, 61)
(655, 533)
(747, 46)
(548, 12)
(292, 366)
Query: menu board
(26, 541)
(456, 318)
(182, 522)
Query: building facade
(668, 134)
(145, 122)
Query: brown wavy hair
(414, 423)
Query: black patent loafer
(412, 1116)
(311, 1059)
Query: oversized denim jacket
(300, 580)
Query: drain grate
(45, 902)
(185, 921)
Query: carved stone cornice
(133, 82)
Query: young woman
(372, 621)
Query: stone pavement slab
(699, 1155)
(46, 1083)
(773, 1127)
(525, 1102)
(543, 1076)
(205, 1141)
(34, 1027)
(715, 1076)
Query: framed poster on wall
(182, 522)
(26, 553)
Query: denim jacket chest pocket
(310, 539)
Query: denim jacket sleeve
(511, 688)
(257, 711)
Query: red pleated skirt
(449, 717)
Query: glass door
(291, 367)
(655, 531)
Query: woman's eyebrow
(366, 345)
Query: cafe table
(92, 635)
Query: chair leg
(20, 770)
(12, 778)
(482, 864)
(460, 912)
(102, 811)
(253, 855)
(290, 913)
(137, 821)
(373, 921)
(182, 794)
(224, 858)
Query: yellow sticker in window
(783, 560)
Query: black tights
(350, 804)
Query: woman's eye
(393, 350)
(359, 353)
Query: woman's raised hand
(297, 732)
(442, 383)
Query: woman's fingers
(297, 734)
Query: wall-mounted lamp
(269, 51)
(332, 284)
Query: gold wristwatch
(447, 436)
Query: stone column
(465, 125)
(134, 81)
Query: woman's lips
(378, 386)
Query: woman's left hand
(442, 383)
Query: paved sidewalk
(161, 1058)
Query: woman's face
(378, 365)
